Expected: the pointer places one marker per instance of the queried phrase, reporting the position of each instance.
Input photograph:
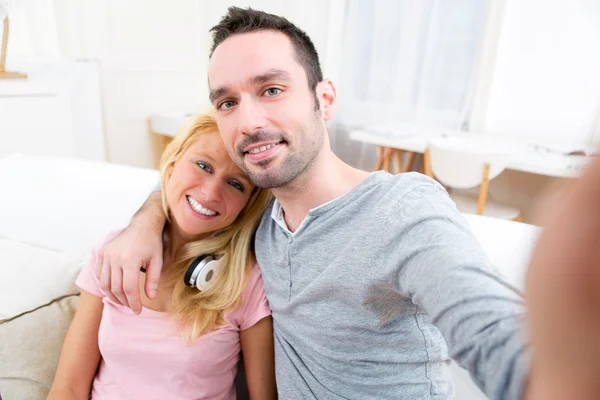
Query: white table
(163, 128)
(524, 156)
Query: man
(375, 281)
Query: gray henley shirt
(378, 289)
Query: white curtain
(54, 29)
(33, 32)
(392, 61)
(406, 61)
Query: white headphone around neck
(202, 271)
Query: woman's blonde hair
(202, 311)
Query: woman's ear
(169, 169)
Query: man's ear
(328, 98)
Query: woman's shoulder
(87, 278)
(109, 237)
(253, 305)
(95, 249)
(253, 275)
(253, 285)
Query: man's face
(266, 111)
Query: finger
(116, 285)
(105, 279)
(99, 261)
(131, 287)
(153, 275)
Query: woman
(185, 344)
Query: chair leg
(421, 164)
(387, 159)
(409, 161)
(379, 163)
(398, 164)
(485, 181)
(427, 164)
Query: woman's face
(206, 190)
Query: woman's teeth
(199, 209)
(262, 148)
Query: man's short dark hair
(239, 20)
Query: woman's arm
(259, 359)
(80, 354)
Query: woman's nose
(212, 190)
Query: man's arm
(137, 246)
(447, 273)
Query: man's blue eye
(226, 105)
(272, 91)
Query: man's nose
(252, 116)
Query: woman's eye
(272, 92)
(204, 166)
(226, 105)
(237, 185)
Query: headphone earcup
(196, 264)
(202, 270)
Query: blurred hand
(563, 294)
(140, 245)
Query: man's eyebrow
(215, 94)
(270, 75)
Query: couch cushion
(30, 345)
(68, 204)
(508, 245)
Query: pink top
(145, 356)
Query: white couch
(52, 210)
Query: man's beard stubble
(296, 161)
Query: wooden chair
(387, 155)
(457, 164)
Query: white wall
(55, 111)
(545, 87)
(154, 55)
(546, 82)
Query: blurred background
(499, 100)
(113, 80)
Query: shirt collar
(277, 215)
